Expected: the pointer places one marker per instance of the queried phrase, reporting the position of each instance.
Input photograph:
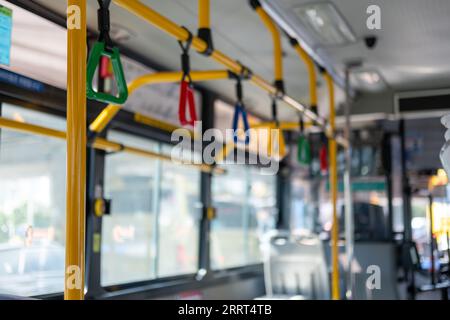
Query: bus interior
(224, 150)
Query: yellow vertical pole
(76, 150)
(277, 46)
(311, 72)
(335, 291)
(204, 19)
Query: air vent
(423, 103)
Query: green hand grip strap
(98, 50)
(304, 151)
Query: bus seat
(295, 268)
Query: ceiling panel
(413, 48)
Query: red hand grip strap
(323, 159)
(105, 71)
(187, 100)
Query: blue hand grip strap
(240, 111)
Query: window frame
(158, 175)
(246, 212)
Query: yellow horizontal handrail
(154, 18)
(106, 116)
(99, 143)
(31, 128)
(156, 123)
(285, 126)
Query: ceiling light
(369, 80)
(325, 23)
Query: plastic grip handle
(240, 111)
(98, 51)
(187, 101)
(304, 151)
(323, 159)
(105, 70)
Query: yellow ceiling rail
(76, 152)
(99, 143)
(106, 116)
(335, 291)
(311, 72)
(154, 18)
(277, 47)
(204, 19)
(204, 26)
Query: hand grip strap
(187, 102)
(323, 159)
(304, 151)
(241, 112)
(98, 51)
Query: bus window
(32, 208)
(263, 209)
(301, 217)
(128, 253)
(153, 229)
(38, 48)
(245, 203)
(32, 117)
(179, 220)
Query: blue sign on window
(21, 81)
(5, 35)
